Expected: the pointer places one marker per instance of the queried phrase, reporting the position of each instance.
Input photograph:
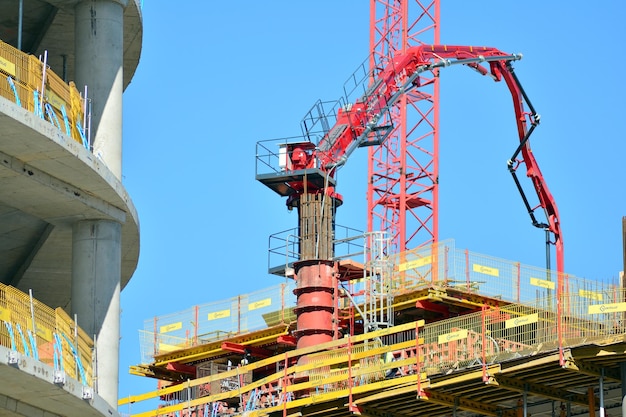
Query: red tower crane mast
(403, 186)
(308, 170)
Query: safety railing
(284, 247)
(320, 118)
(30, 328)
(28, 82)
(444, 266)
(402, 355)
(218, 320)
(441, 266)
(235, 390)
(271, 157)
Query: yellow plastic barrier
(53, 330)
(26, 73)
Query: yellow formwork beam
(465, 377)
(392, 391)
(201, 352)
(575, 363)
(517, 385)
(466, 404)
(536, 362)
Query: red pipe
(315, 305)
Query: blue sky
(215, 78)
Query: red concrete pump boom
(306, 171)
(357, 124)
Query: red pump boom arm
(356, 124)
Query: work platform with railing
(471, 335)
(30, 329)
(28, 82)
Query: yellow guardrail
(439, 265)
(28, 82)
(362, 351)
(389, 357)
(53, 338)
(443, 265)
(206, 323)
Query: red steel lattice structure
(402, 193)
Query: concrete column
(99, 51)
(96, 272)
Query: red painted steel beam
(432, 307)
(181, 367)
(287, 340)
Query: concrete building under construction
(472, 335)
(392, 321)
(69, 231)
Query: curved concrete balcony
(50, 181)
(48, 360)
(48, 25)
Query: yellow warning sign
(543, 283)
(7, 66)
(416, 263)
(451, 337)
(44, 333)
(54, 99)
(5, 314)
(494, 272)
(171, 327)
(259, 304)
(219, 314)
(522, 320)
(607, 308)
(164, 347)
(590, 294)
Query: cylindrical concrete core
(315, 305)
